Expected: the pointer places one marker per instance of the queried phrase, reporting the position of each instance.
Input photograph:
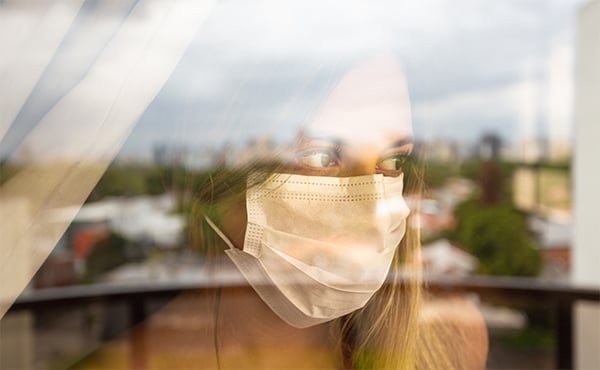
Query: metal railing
(512, 292)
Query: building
(442, 258)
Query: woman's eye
(394, 163)
(318, 159)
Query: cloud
(506, 110)
(264, 66)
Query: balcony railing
(512, 292)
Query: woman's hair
(383, 334)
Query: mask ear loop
(219, 232)
(217, 308)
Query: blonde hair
(383, 334)
(396, 330)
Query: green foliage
(131, 180)
(499, 237)
(109, 253)
(530, 338)
(118, 180)
(437, 173)
(470, 169)
(146, 179)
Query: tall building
(529, 147)
(559, 103)
(489, 146)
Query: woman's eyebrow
(337, 143)
(400, 143)
(334, 142)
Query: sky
(262, 68)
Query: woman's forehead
(370, 104)
(368, 127)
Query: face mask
(317, 248)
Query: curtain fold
(69, 149)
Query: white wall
(586, 253)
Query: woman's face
(363, 128)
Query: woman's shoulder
(454, 329)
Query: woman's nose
(358, 166)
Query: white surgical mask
(317, 248)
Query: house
(442, 258)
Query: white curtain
(66, 152)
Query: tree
(494, 231)
(110, 253)
(499, 237)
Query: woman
(360, 139)
(317, 233)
